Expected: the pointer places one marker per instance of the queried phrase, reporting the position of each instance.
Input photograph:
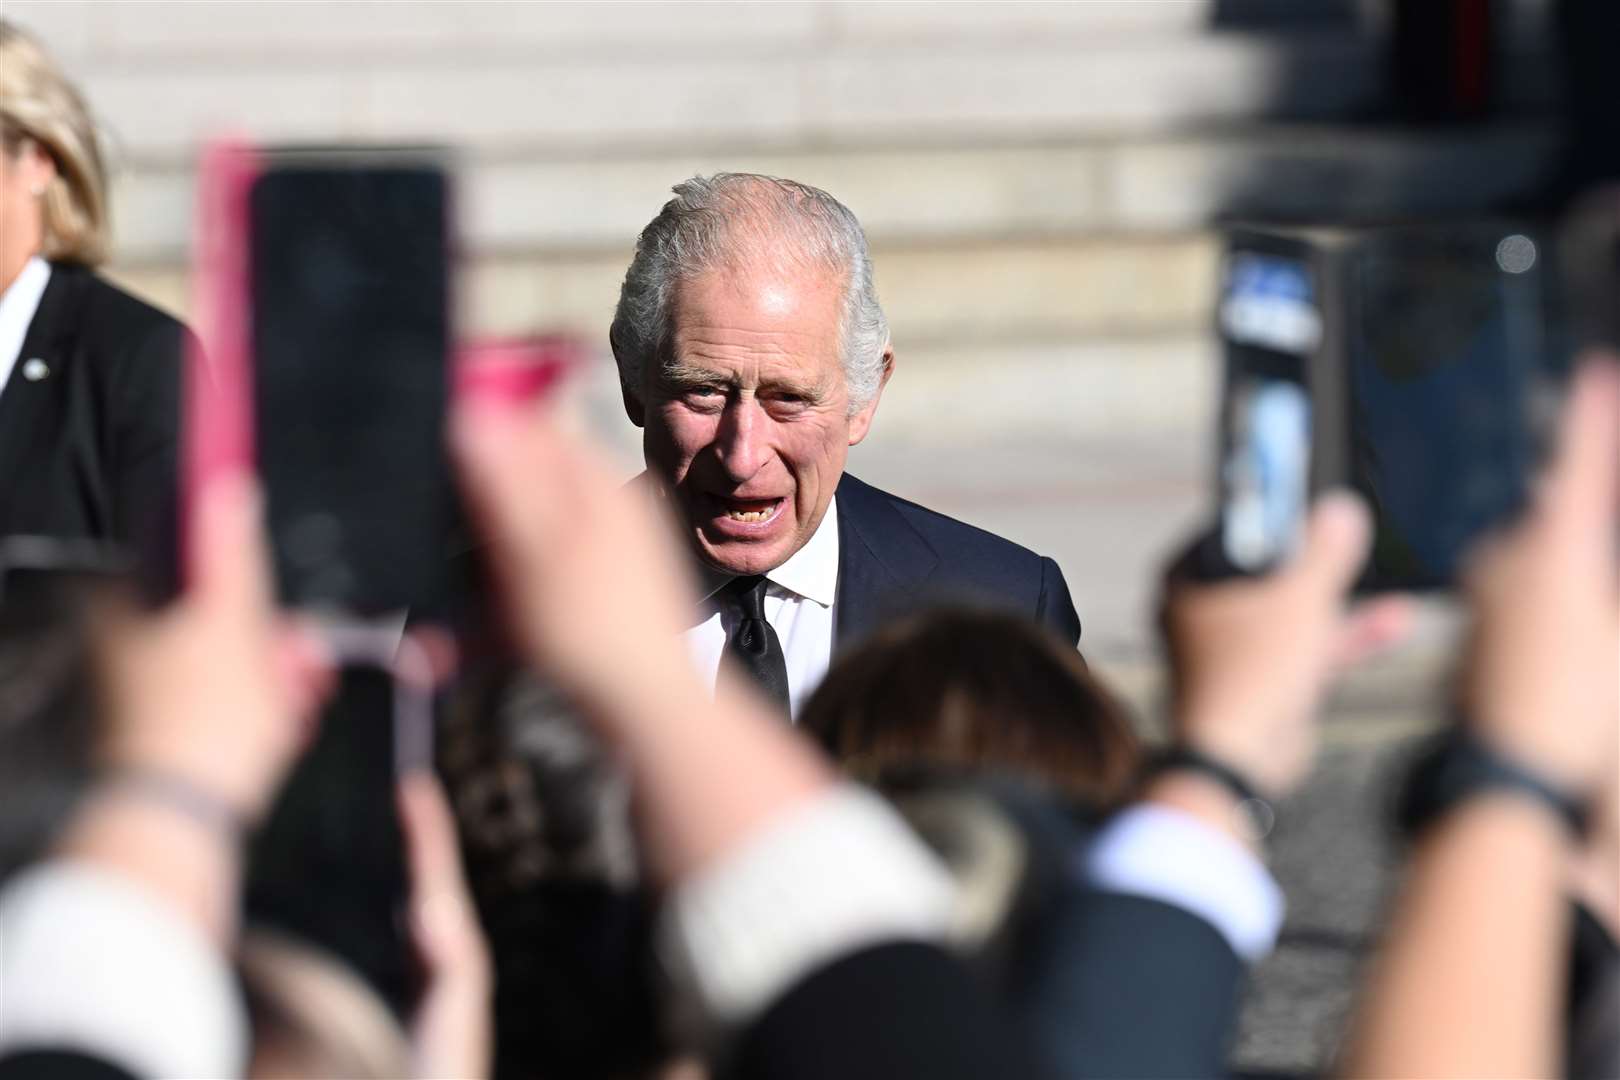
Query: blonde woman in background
(89, 376)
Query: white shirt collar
(17, 307)
(810, 572)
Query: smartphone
(1269, 320)
(324, 297)
(1419, 365)
(329, 864)
(1452, 374)
(350, 340)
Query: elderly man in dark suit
(752, 352)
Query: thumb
(231, 559)
(1337, 537)
(1583, 484)
(509, 477)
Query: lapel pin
(35, 369)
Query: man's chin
(741, 558)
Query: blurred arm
(1471, 980)
(97, 963)
(1469, 983)
(115, 948)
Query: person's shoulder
(950, 558)
(950, 537)
(109, 311)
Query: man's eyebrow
(813, 390)
(678, 373)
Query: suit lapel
(882, 560)
(25, 402)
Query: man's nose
(740, 440)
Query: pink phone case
(217, 425)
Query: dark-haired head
(977, 690)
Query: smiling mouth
(749, 511)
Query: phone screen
(1270, 322)
(1448, 375)
(328, 866)
(350, 378)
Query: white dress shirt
(1171, 856)
(798, 605)
(17, 307)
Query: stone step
(521, 204)
(573, 77)
(374, 29)
(968, 295)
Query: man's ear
(861, 422)
(633, 408)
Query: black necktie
(753, 643)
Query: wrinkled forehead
(758, 313)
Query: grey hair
(719, 220)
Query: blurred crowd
(773, 774)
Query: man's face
(749, 427)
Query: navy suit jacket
(896, 558)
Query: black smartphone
(1270, 324)
(329, 864)
(1453, 369)
(349, 339)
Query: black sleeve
(1122, 986)
(890, 1012)
(1055, 608)
(59, 1065)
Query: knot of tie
(753, 642)
(747, 595)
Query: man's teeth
(752, 514)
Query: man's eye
(707, 397)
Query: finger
(533, 487)
(1583, 482)
(438, 649)
(1337, 537)
(512, 472)
(483, 438)
(431, 852)
(232, 559)
(1372, 627)
(443, 925)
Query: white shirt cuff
(1167, 855)
(93, 962)
(831, 877)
